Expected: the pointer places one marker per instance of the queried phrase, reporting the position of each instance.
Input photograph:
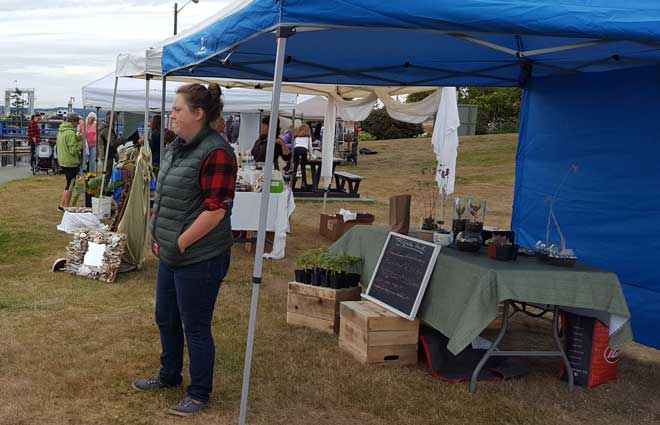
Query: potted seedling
(304, 273)
(310, 262)
(352, 265)
(459, 222)
(501, 248)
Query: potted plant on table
(501, 248)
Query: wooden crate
(317, 307)
(375, 335)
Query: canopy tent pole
(292, 178)
(145, 132)
(263, 215)
(162, 118)
(109, 138)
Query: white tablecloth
(245, 216)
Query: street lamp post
(177, 10)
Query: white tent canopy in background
(131, 96)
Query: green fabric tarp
(135, 222)
(465, 288)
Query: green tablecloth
(464, 290)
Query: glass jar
(470, 239)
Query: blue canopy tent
(590, 73)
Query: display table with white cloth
(245, 217)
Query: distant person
(228, 122)
(34, 136)
(154, 139)
(69, 156)
(317, 131)
(90, 133)
(259, 148)
(302, 146)
(103, 143)
(235, 130)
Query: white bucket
(102, 207)
(442, 239)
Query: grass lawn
(71, 346)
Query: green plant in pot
(310, 263)
(460, 207)
(352, 267)
(501, 248)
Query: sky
(56, 47)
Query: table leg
(501, 353)
(560, 346)
(484, 359)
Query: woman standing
(192, 233)
(90, 134)
(302, 146)
(69, 156)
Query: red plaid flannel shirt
(218, 180)
(34, 132)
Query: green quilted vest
(179, 201)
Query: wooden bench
(353, 180)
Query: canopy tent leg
(145, 132)
(162, 118)
(109, 138)
(263, 215)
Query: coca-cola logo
(611, 356)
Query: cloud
(57, 48)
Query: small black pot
(338, 280)
(325, 279)
(506, 252)
(352, 280)
(308, 276)
(300, 275)
(316, 277)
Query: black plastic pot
(316, 277)
(352, 280)
(300, 275)
(308, 276)
(507, 252)
(325, 281)
(337, 280)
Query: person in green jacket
(69, 155)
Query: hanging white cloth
(355, 110)
(328, 142)
(417, 112)
(445, 137)
(249, 130)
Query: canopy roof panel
(418, 43)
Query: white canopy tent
(131, 96)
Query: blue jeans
(92, 159)
(185, 299)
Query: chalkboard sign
(402, 273)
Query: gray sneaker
(146, 384)
(188, 407)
